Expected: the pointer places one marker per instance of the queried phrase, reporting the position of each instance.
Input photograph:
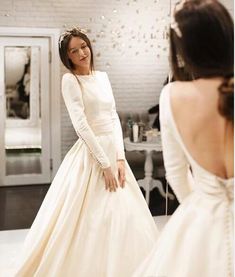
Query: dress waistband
(102, 128)
(224, 192)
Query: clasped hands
(111, 183)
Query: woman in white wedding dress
(197, 136)
(94, 221)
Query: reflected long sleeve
(72, 95)
(176, 164)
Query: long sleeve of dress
(177, 167)
(117, 129)
(72, 95)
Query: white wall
(128, 39)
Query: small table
(148, 183)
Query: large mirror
(23, 110)
(25, 131)
(18, 75)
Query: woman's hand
(121, 173)
(110, 181)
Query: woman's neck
(82, 71)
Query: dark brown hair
(202, 37)
(64, 43)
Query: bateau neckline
(87, 75)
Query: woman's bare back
(207, 136)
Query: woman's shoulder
(69, 84)
(178, 100)
(176, 86)
(102, 76)
(101, 73)
(174, 96)
(178, 91)
(68, 76)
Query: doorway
(27, 141)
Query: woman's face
(79, 53)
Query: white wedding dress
(81, 229)
(198, 239)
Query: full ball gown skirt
(197, 241)
(82, 229)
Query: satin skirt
(197, 241)
(84, 230)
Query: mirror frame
(55, 95)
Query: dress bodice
(97, 98)
(90, 102)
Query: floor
(19, 205)
(11, 243)
(10, 247)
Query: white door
(24, 111)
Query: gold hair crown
(69, 32)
